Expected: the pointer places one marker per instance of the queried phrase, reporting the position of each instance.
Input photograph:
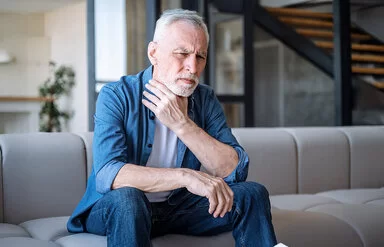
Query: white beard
(183, 91)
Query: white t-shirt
(164, 154)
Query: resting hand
(219, 194)
(170, 109)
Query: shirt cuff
(106, 176)
(240, 173)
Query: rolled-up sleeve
(109, 143)
(217, 127)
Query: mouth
(187, 81)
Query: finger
(159, 94)
(221, 203)
(231, 197)
(228, 197)
(149, 105)
(212, 202)
(222, 196)
(152, 98)
(161, 87)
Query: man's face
(179, 57)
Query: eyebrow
(180, 49)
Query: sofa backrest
(44, 175)
(310, 160)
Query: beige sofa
(326, 187)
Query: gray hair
(173, 15)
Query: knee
(252, 194)
(258, 191)
(128, 201)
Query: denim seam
(242, 237)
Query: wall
(289, 90)
(22, 35)
(66, 28)
(371, 20)
(279, 3)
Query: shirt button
(149, 145)
(152, 117)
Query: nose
(191, 64)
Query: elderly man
(153, 131)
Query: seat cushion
(299, 202)
(90, 240)
(172, 240)
(47, 228)
(9, 230)
(304, 229)
(82, 240)
(355, 196)
(25, 242)
(367, 220)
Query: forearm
(149, 179)
(218, 158)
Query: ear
(152, 46)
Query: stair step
(356, 47)
(367, 58)
(299, 12)
(329, 34)
(378, 84)
(306, 22)
(370, 71)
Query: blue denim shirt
(124, 133)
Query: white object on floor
(280, 245)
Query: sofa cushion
(366, 156)
(88, 142)
(47, 228)
(47, 180)
(355, 196)
(323, 159)
(299, 202)
(82, 240)
(310, 229)
(173, 240)
(377, 202)
(366, 219)
(273, 160)
(9, 230)
(25, 242)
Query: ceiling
(33, 6)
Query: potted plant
(60, 82)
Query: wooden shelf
(356, 47)
(370, 71)
(379, 84)
(299, 13)
(306, 22)
(23, 98)
(367, 58)
(329, 34)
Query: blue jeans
(127, 218)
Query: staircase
(367, 54)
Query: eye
(181, 54)
(201, 57)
